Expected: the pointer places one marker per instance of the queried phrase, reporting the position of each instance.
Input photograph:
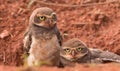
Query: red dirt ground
(98, 25)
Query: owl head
(44, 17)
(73, 50)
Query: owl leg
(31, 60)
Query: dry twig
(4, 58)
(81, 5)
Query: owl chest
(44, 48)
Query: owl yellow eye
(79, 49)
(67, 50)
(42, 18)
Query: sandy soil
(96, 22)
(78, 67)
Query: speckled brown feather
(105, 56)
(27, 41)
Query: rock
(4, 34)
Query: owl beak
(73, 53)
(49, 22)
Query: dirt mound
(96, 22)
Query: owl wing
(109, 57)
(59, 36)
(95, 52)
(105, 56)
(27, 41)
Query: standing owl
(42, 40)
(75, 51)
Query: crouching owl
(75, 51)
